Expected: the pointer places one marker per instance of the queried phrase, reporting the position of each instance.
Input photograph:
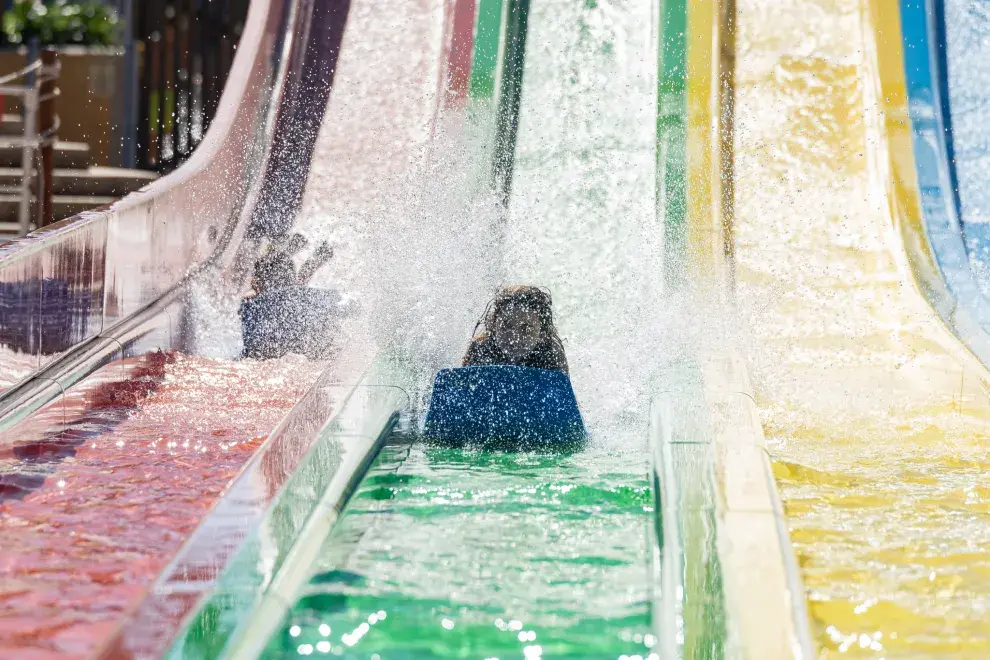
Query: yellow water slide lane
(704, 180)
(877, 418)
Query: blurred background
(138, 83)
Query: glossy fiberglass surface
(966, 29)
(539, 556)
(813, 254)
(955, 288)
(129, 416)
(280, 493)
(333, 609)
(612, 504)
(67, 283)
(873, 411)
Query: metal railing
(37, 94)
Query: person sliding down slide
(285, 315)
(512, 390)
(275, 269)
(517, 329)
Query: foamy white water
(410, 223)
(582, 218)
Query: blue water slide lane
(925, 63)
(966, 33)
(940, 55)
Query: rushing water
(583, 216)
(449, 553)
(880, 435)
(463, 553)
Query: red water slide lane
(101, 486)
(94, 508)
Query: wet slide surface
(101, 511)
(879, 433)
(454, 553)
(462, 553)
(967, 27)
(141, 433)
(90, 517)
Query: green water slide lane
(291, 578)
(256, 589)
(672, 138)
(461, 553)
(484, 59)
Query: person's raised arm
(321, 256)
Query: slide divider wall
(246, 604)
(726, 582)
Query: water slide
(744, 216)
(868, 346)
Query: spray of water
(422, 258)
(421, 243)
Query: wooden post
(47, 92)
(167, 153)
(129, 94)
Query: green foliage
(60, 22)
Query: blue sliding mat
(504, 406)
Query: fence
(182, 51)
(36, 86)
(178, 54)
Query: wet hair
(548, 353)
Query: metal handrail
(31, 142)
(23, 73)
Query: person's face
(517, 331)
